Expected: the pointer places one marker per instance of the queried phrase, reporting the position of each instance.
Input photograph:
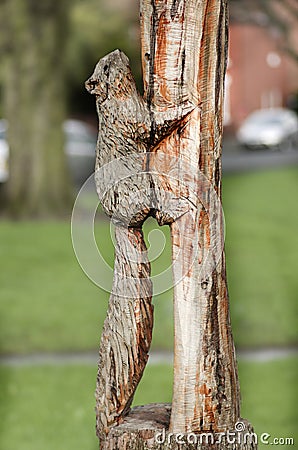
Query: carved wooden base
(146, 428)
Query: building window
(273, 60)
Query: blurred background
(50, 313)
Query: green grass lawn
(47, 303)
(262, 255)
(51, 408)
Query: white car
(80, 145)
(275, 128)
(4, 152)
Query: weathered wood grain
(128, 130)
(146, 427)
(127, 331)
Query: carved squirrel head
(111, 78)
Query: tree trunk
(34, 105)
(146, 427)
(187, 44)
(160, 156)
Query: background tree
(48, 49)
(33, 42)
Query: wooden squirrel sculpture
(129, 131)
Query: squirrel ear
(125, 59)
(119, 57)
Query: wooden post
(166, 150)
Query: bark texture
(187, 44)
(168, 150)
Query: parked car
(80, 144)
(4, 152)
(275, 128)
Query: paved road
(90, 358)
(237, 160)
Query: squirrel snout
(96, 87)
(91, 85)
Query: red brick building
(261, 73)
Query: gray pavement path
(236, 160)
(90, 358)
(244, 162)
